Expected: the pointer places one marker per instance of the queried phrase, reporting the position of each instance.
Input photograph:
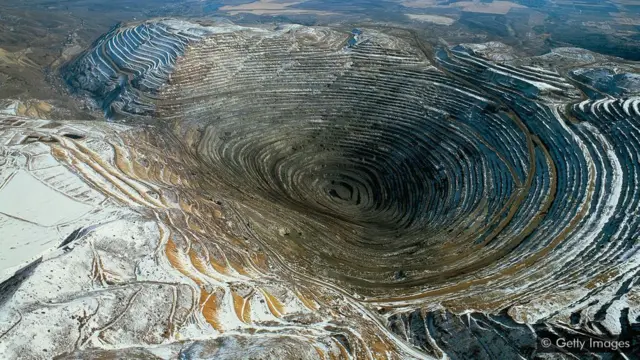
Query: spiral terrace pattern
(411, 184)
(369, 157)
(126, 66)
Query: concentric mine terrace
(321, 193)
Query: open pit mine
(322, 193)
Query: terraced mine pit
(308, 192)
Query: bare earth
(436, 19)
(270, 7)
(496, 7)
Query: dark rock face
(411, 180)
(599, 82)
(472, 335)
(483, 336)
(125, 67)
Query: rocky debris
(31, 108)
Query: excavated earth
(316, 193)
